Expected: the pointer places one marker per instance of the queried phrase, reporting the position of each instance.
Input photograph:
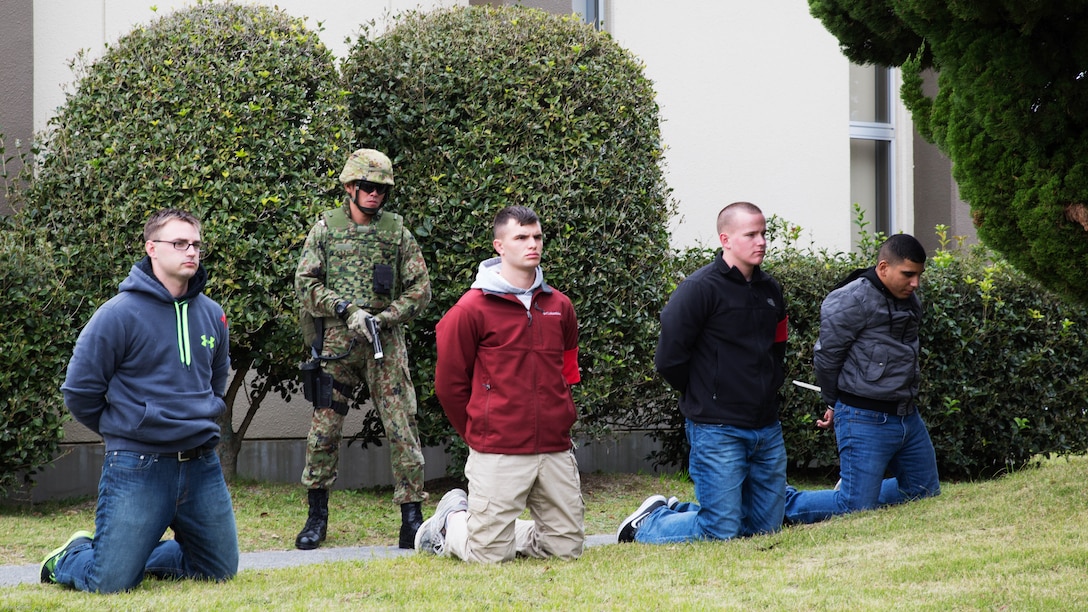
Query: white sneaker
(431, 536)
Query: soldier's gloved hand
(384, 319)
(357, 324)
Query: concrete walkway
(11, 575)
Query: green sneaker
(49, 565)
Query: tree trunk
(230, 441)
(229, 445)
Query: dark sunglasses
(369, 187)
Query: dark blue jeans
(740, 483)
(140, 495)
(872, 445)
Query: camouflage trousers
(392, 394)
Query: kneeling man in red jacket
(507, 355)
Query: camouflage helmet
(368, 165)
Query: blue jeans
(139, 496)
(740, 484)
(872, 445)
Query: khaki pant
(500, 488)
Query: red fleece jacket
(504, 373)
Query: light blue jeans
(139, 496)
(872, 445)
(740, 484)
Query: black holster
(316, 384)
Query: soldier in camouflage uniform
(360, 262)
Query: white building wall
(755, 102)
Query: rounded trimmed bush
(35, 314)
(481, 108)
(231, 112)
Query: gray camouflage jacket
(868, 344)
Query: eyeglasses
(183, 245)
(369, 187)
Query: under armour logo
(208, 341)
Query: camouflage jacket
(338, 263)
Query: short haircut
(902, 247)
(725, 216)
(522, 214)
(162, 217)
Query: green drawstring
(181, 310)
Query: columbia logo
(551, 313)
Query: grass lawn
(1017, 543)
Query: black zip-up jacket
(723, 346)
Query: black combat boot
(411, 517)
(313, 534)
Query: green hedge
(1005, 366)
(36, 319)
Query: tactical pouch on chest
(383, 279)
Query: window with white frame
(872, 147)
(592, 11)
